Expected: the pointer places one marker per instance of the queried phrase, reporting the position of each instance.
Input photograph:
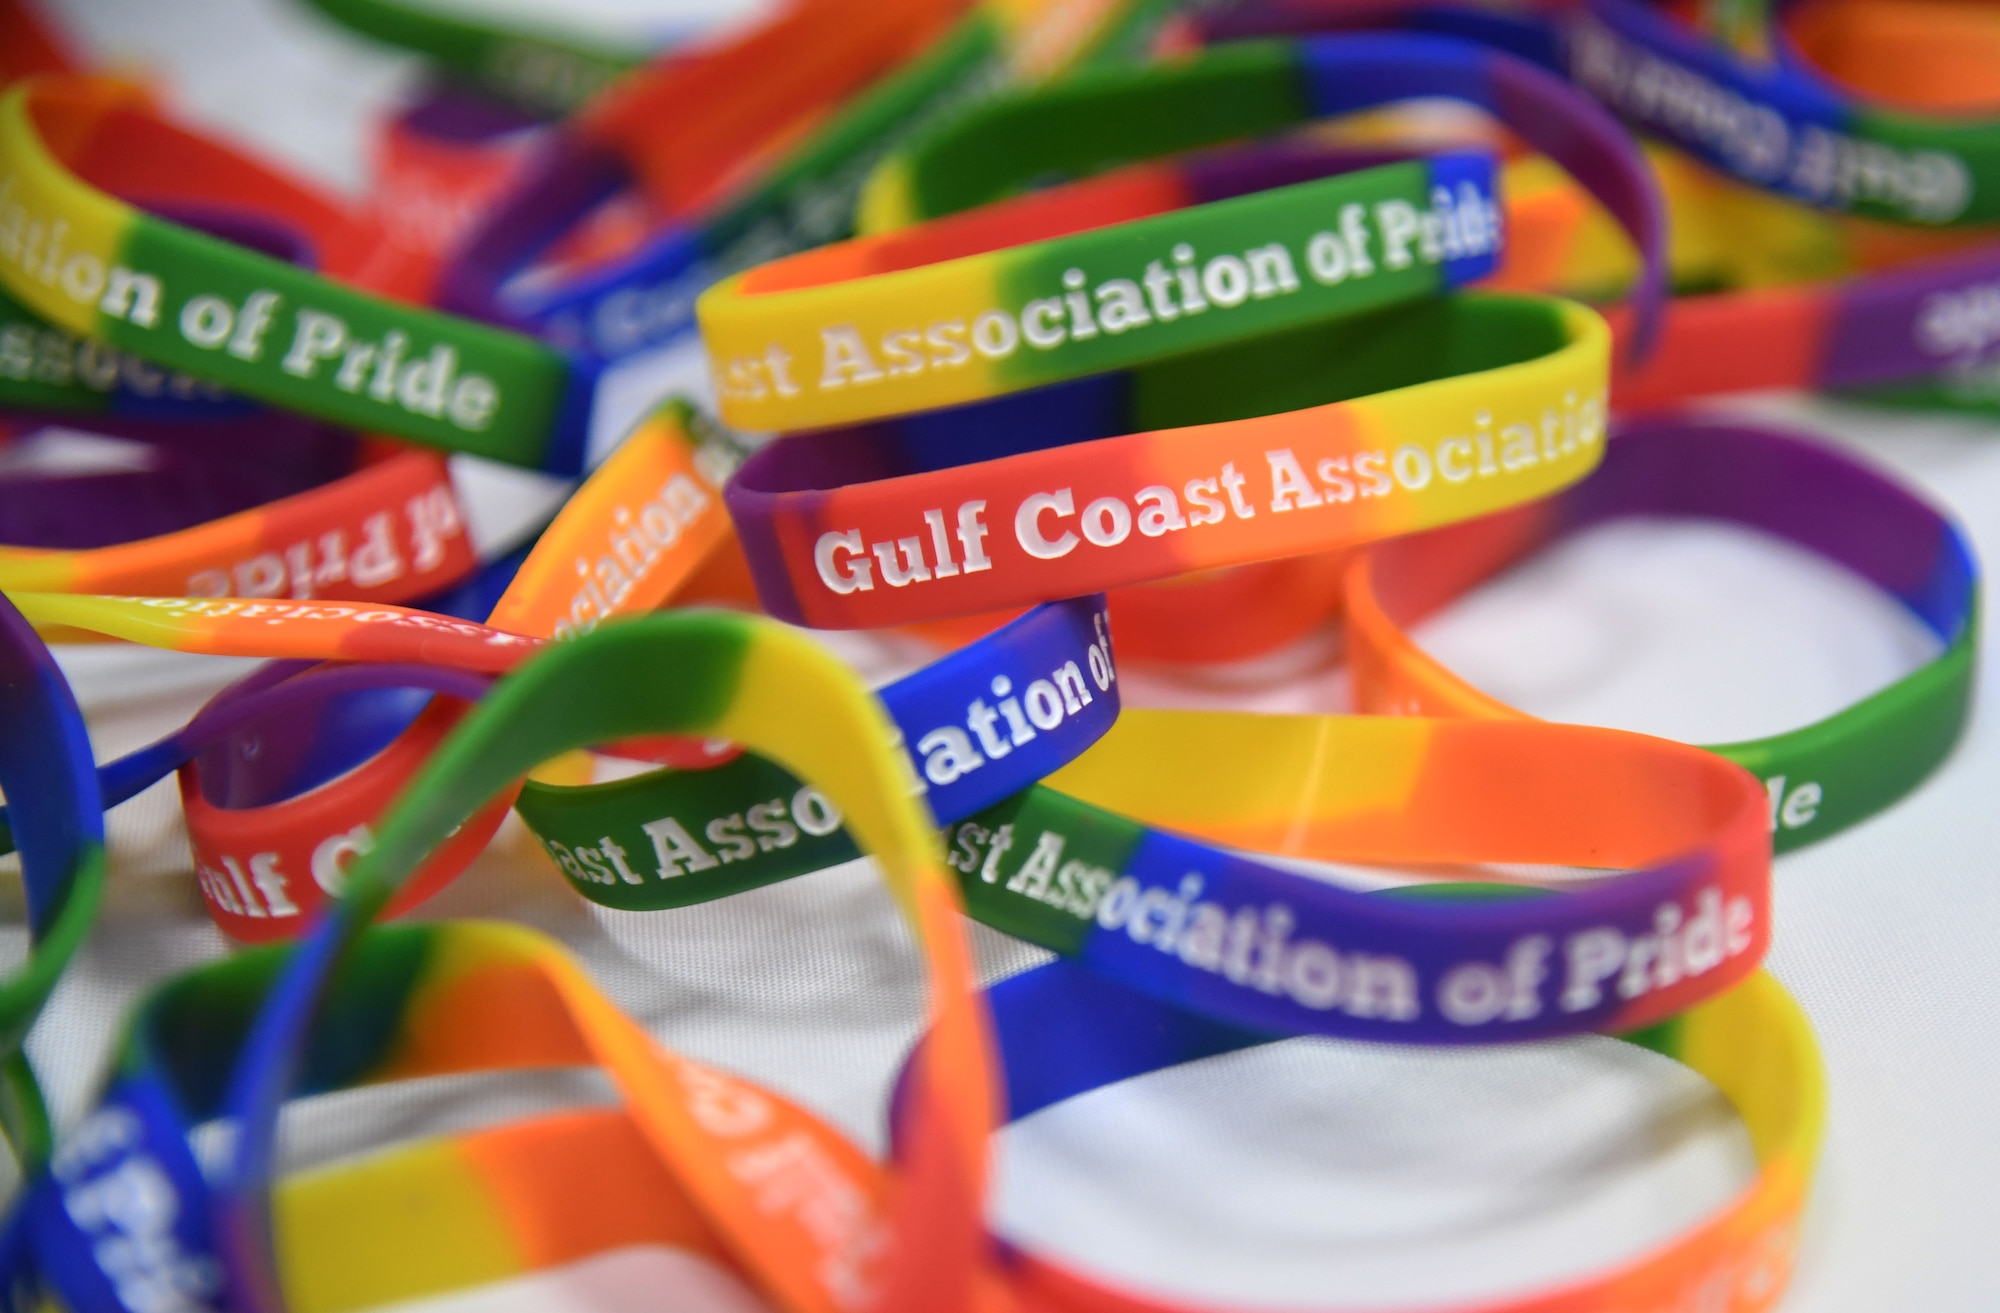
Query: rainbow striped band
(1781, 126)
(100, 268)
(1063, 1031)
(1248, 91)
(1192, 464)
(875, 328)
(807, 199)
(533, 70)
(1820, 778)
(55, 822)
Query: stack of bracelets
(1054, 335)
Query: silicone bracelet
(1123, 861)
(1459, 407)
(253, 856)
(1003, 146)
(877, 328)
(628, 539)
(371, 1232)
(1714, 230)
(1254, 609)
(1927, 57)
(153, 479)
(391, 531)
(735, 117)
(414, 1001)
(939, 1265)
(198, 182)
(46, 369)
(56, 826)
(805, 198)
(438, 165)
(533, 69)
(1883, 327)
(100, 268)
(1062, 1032)
(1780, 126)
(779, 694)
(1819, 779)
(28, 45)
(984, 723)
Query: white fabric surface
(1310, 1174)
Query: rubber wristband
(100, 268)
(1250, 610)
(974, 728)
(1820, 779)
(57, 827)
(187, 179)
(418, 1001)
(625, 541)
(1715, 232)
(806, 196)
(1110, 863)
(1008, 145)
(1240, 940)
(1459, 407)
(1062, 1032)
(735, 118)
(348, 1246)
(1930, 58)
(437, 166)
(156, 478)
(779, 694)
(532, 69)
(27, 44)
(389, 532)
(1883, 327)
(1781, 127)
(884, 326)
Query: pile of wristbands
(1056, 334)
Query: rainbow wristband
(1781, 126)
(55, 823)
(647, 298)
(100, 268)
(165, 477)
(973, 728)
(807, 198)
(46, 369)
(743, 679)
(533, 70)
(1819, 779)
(1459, 407)
(791, 350)
(937, 315)
(1016, 142)
(1062, 1032)
(1124, 861)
